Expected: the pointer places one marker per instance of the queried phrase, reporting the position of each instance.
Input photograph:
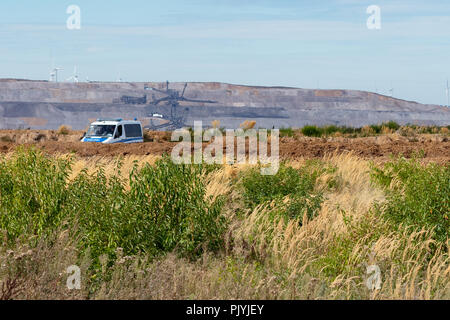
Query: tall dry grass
(110, 165)
(344, 239)
(264, 257)
(64, 130)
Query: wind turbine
(74, 77)
(119, 79)
(391, 91)
(54, 74)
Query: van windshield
(101, 130)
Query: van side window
(119, 131)
(133, 130)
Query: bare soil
(434, 147)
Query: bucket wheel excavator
(175, 118)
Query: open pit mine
(162, 106)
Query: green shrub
(417, 195)
(172, 197)
(376, 128)
(164, 209)
(32, 193)
(329, 130)
(312, 131)
(286, 132)
(392, 125)
(297, 184)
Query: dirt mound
(371, 147)
(434, 147)
(33, 136)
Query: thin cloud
(314, 30)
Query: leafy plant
(311, 131)
(164, 208)
(392, 125)
(417, 194)
(297, 184)
(286, 132)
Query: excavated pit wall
(48, 105)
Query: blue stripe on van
(87, 139)
(129, 139)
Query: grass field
(141, 227)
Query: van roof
(115, 121)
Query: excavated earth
(435, 147)
(42, 105)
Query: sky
(306, 44)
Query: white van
(114, 131)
